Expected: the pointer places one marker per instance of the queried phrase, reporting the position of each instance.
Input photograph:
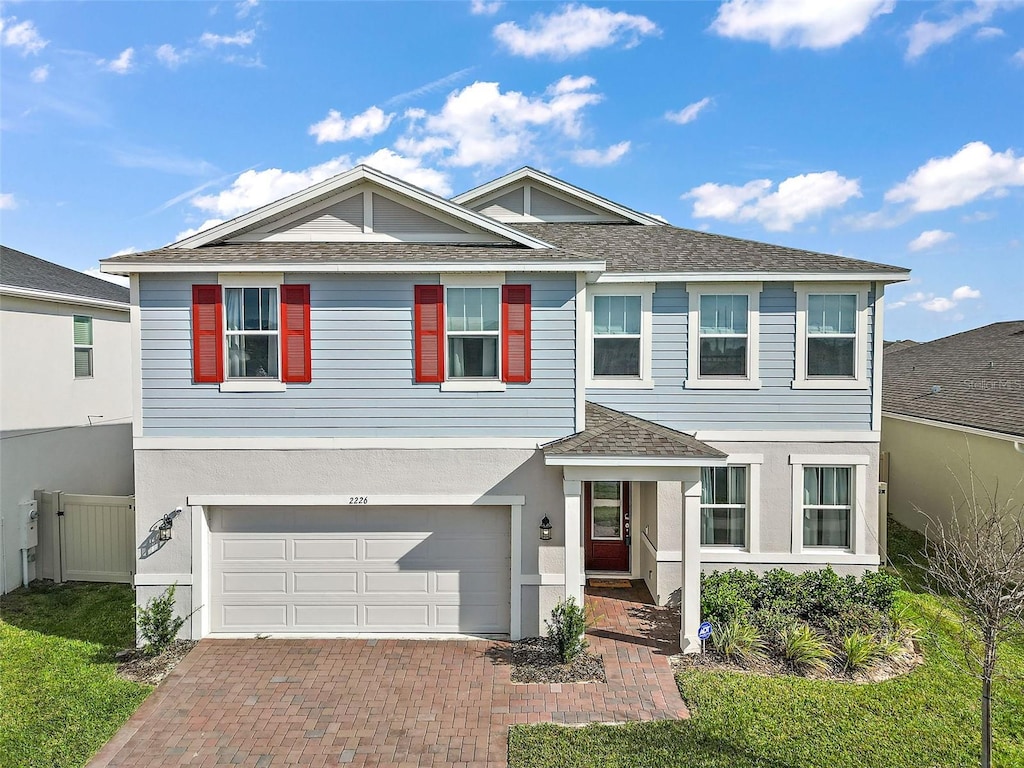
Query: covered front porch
(623, 451)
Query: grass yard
(60, 699)
(927, 719)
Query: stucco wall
(91, 460)
(164, 479)
(37, 376)
(926, 463)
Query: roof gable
(361, 205)
(529, 195)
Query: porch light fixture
(164, 529)
(545, 529)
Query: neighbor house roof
(972, 379)
(611, 433)
(630, 248)
(895, 346)
(19, 270)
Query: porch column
(572, 490)
(690, 592)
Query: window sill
(472, 386)
(829, 384)
(253, 386)
(722, 384)
(619, 383)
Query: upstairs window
(723, 335)
(832, 335)
(722, 338)
(723, 506)
(617, 337)
(83, 346)
(253, 339)
(474, 332)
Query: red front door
(606, 526)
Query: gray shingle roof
(20, 270)
(634, 248)
(980, 374)
(405, 253)
(613, 433)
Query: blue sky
(887, 131)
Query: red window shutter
(515, 333)
(207, 335)
(429, 317)
(295, 336)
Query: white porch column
(690, 592)
(572, 490)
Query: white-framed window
(473, 332)
(723, 506)
(829, 498)
(606, 518)
(723, 336)
(619, 335)
(83, 346)
(831, 336)
(251, 333)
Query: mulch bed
(133, 664)
(769, 666)
(536, 660)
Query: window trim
(858, 466)
(753, 378)
(451, 384)
(90, 347)
(752, 462)
(251, 280)
(646, 378)
(860, 379)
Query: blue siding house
(360, 403)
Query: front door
(606, 526)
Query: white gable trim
(339, 183)
(62, 298)
(355, 267)
(528, 174)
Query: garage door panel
(325, 583)
(367, 569)
(330, 550)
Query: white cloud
(895, 305)
(966, 292)
(7, 201)
(485, 8)
(974, 218)
(170, 56)
(22, 35)
(40, 74)
(125, 251)
(599, 157)
(433, 85)
(409, 169)
(973, 172)
(334, 127)
(938, 304)
(690, 112)
(929, 239)
(796, 199)
(122, 65)
(245, 7)
(573, 30)
(241, 38)
(987, 33)
(662, 219)
(196, 230)
(1018, 57)
(925, 35)
(801, 23)
(116, 279)
(480, 125)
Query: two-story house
(380, 411)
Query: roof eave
(632, 460)
(369, 267)
(737, 277)
(63, 298)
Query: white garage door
(360, 569)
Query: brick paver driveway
(268, 703)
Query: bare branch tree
(975, 559)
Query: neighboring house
(365, 402)
(65, 395)
(896, 346)
(951, 401)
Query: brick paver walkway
(270, 703)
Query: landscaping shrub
(157, 623)
(738, 639)
(902, 623)
(566, 628)
(861, 618)
(804, 648)
(859, 650)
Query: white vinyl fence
(86, 538)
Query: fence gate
(93, 538)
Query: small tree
(977, 559)
(567, 626)
(158, 624)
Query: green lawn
(927, 719)
(60, 699)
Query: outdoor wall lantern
(545, 529)
(166, 524)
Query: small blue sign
(704, 631)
